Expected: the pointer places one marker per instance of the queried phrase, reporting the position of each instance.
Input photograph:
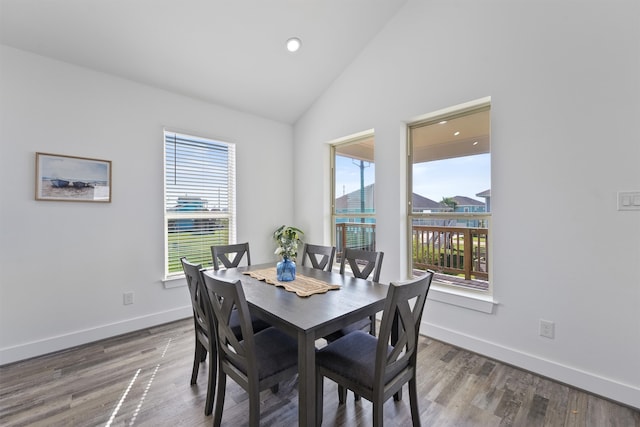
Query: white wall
(64, 266)
(564, 82)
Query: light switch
(629, 200)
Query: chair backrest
(404, 352)
(202, 320)
(221, 253)
(362, 263)
(326, 253)
(224, 297)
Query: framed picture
(72, 179)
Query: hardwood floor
(142, 379)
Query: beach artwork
(73, 179)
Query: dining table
(307, 318)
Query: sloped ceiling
(229, 52)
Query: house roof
(421, 202)
(467, 201)
(352, 200)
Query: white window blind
(199, 198)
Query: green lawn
(196, 246)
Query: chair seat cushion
(276, 352)
(360, 325)
(257, 324)
(353, 357)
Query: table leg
(306, 379)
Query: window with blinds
(199, 198)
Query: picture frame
(72, 179)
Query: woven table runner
(303, 286)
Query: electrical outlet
(127, 298)
(629, 200)
(547, 329)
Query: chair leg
(342, 394)
(372, 329)
(356, 396)
(275, 388)
(319, 399)
(211, 386)
(222, 385)
(197, 355)
(413, 400)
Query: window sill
(174, 281)
(462, 298)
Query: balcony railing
(459, 252)
(354, 235)
(452, 250)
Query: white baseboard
(72, 339)
(626, 394)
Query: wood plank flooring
(142, 379)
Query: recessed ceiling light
(457, 133)
(442, 122)
(475, 142)
(293, 44)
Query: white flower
(288, 239)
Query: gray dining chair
(256, 362)
(205, 342)
(363, 264)
(222, 254)
(378, 368)
(320, 257)
(204, 331)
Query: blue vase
(286, 270)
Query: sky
(73, 168)
(461, 176)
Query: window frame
(211, 216)
(457, 290)
(334, 146)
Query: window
(199, 198)
(353, 210)
(450, 192)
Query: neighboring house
(486, 195)
(467, 204)
(351, 202)
(191, 204)
(423, 204)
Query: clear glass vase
(286, 270)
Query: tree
(449, 201)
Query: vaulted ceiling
(229, 52)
